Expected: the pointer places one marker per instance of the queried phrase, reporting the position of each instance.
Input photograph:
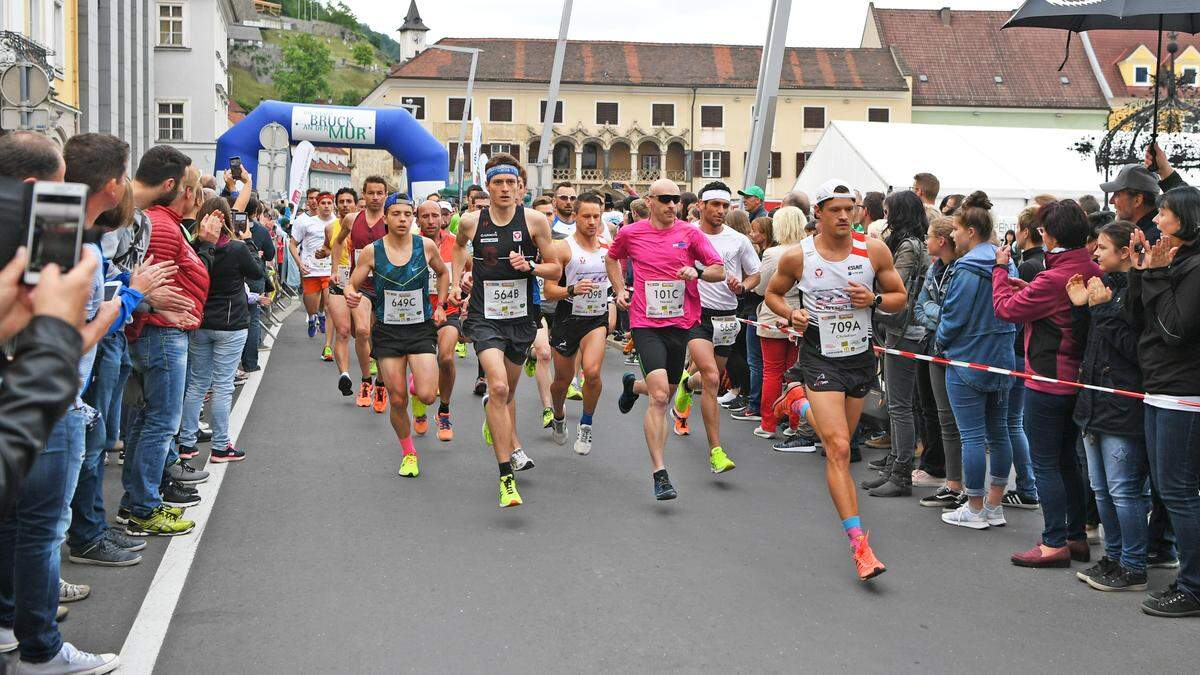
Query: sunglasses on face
(569, 198)
(667, 199)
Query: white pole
(767, 97)
(560, 50)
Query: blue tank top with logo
(401, 280)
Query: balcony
(16, 46)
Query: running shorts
(550, 318)
(311, 285)
(704, 329)
(567, 333)
(454, 320)
(390, 341)
(334, 289)
(826, 374)
(662, 349)
(513, 337)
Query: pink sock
(406, 445)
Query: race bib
(319, 267)
(594, 303)
(505, 299)
(433, 279)
(403, 307)
(343, 276)
(845, 333)
(725, 330)
(664, 299)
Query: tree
(350, 97)
(303, 73)
(363, 54)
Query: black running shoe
(625, 404)
(1174, 603)
(1157, 560)
(1016, 500)
(663, 490)
(174, 494)
(943, 497)
(346, 385)
(480, 386)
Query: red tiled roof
(656, 65)
(961, 61)
(1113, 46)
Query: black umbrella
(1078, 16)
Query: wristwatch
(571, 291)
(877, 301)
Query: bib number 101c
(664, 299)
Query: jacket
(911, 264)
(262, 248)
(770, 263)
(968, 329)
(38, 385)
(1033, 263)
(1165, 306)
(1051, 349)
(1109, 360)
(167, 242)
(927, 310)
(226, 307)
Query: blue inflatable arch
(391, 129)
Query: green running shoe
(487, 433)
(460, 350)
(374, 369)
(719, 462)
(418, 408)
(408, 466)
(683, 398)
(160, 523)
(573, 393)
(547, 418)
(530, 366)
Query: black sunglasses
(569, 198)
(667, 199)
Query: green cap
(753, 191)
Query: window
(500, 110)
(606, 112)
(649, 163)
(1141, 75)
(455, 104)
(170, 120)
(496, 148)
(801, 161)
(59, 45)
(814, 118)
(453, 150)
(558, 108)
(662, 114)
(1187, 76)
(710, 164)
(879, 114)
(417, 104)
(170, 25)
(712, 117)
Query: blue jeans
(160, 355)
(212, 362)
(30, 540)
(1052, 432)
(250, 351)
(1173, 444)
(1117, 469)
(1026, 486)
(105, 392)
(755, 361)
(981, 417)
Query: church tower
(412, 34)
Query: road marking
(149, 630)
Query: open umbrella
(1078, 16)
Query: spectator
(778, 351)
(262, 248)
(927, 186)
(1089, 204)
(872, 209)
(800, 200)
(1134, 193)
(762, 234)
(752, 201)
(1032, 262)
(950, 204)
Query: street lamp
(462, 130)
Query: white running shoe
(583, 442)
(727, 397)
(71, 661)
(520, 461)
(995, 516)
(558, 431)
(963, 516)
(763, 433)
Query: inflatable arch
(391, 129)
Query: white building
(191, 75)
(116, 70)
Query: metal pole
(560, 51)
(462, 128)
(767, 96)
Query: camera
(241, 222)
(47, 218)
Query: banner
(302, 156)
(476, 142)
(341, 126)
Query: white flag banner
(480, 174)
(476, 148)
(302, 156)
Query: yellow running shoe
(547, 417)
(408, 466)
(683, 398)
(487, 433)
(420, 420)
(530, 366)
(719, 462)
(460, 350)
(508, 492)
(374, 368)
(573, 393)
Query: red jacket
(168, 243)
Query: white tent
(1012, 165)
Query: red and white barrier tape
(1002, 371)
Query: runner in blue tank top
(404, 337)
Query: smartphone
(111, 288)
(56, 220)
(240, 222)
(235, 166)
(617, 186)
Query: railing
(677, 176)
(620, 174)
(592, 175)
(25, 48)
(564, 174)
(647, 175)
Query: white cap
(834, 188)
(445, 206)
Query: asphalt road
(318, 558)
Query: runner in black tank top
(492, 244)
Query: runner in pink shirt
(664, 252)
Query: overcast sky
(814, 23)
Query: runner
(403, 337)
(505, 237)
(665, 307)
(562, 225)
(581, 324)
(712, 339)
(308, 237)
(339, 274)
(362, 229)
(837, 270)
(429, 216)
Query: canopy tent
(1011, 165)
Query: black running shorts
(566, 333)
(391, 341)
(455, 320)
(662, 349)
(704, 329)
(513, 337)
(826, 374)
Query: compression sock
(585, 418)
(853, 527)
(800, 409)
(407, 445)
(443, 408)
(505, 469)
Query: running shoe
(312, 326)
(345, 384)
(628, 396)
(663, 490)
(160, 523)
(963, 516)
(793, 394)
(412, 390)
(727, 397)
(185, 452)
(381, 398)
(445, 431)
(530, 366)
(683, 398)
(321, 323)
(719, 462)
(573, 392)
(480, 387)
(631, 359)
(547, 417)
(228, 454)
(763, 433)
(123, 513)
(738, 403)
(1019, 501)
(746, 414)
(994, 515)
(374, 368)
(797, 443)
(508, 492)
(558, 431)
(327, 354)
(681, 424)
(420, 425)
(583, 441)
(364, 395)
(520, 461)
(922, 478)
(943, 497)
(868, 565)
(460, 350)
(487, 433)
(408, 466)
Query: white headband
(715, 194)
